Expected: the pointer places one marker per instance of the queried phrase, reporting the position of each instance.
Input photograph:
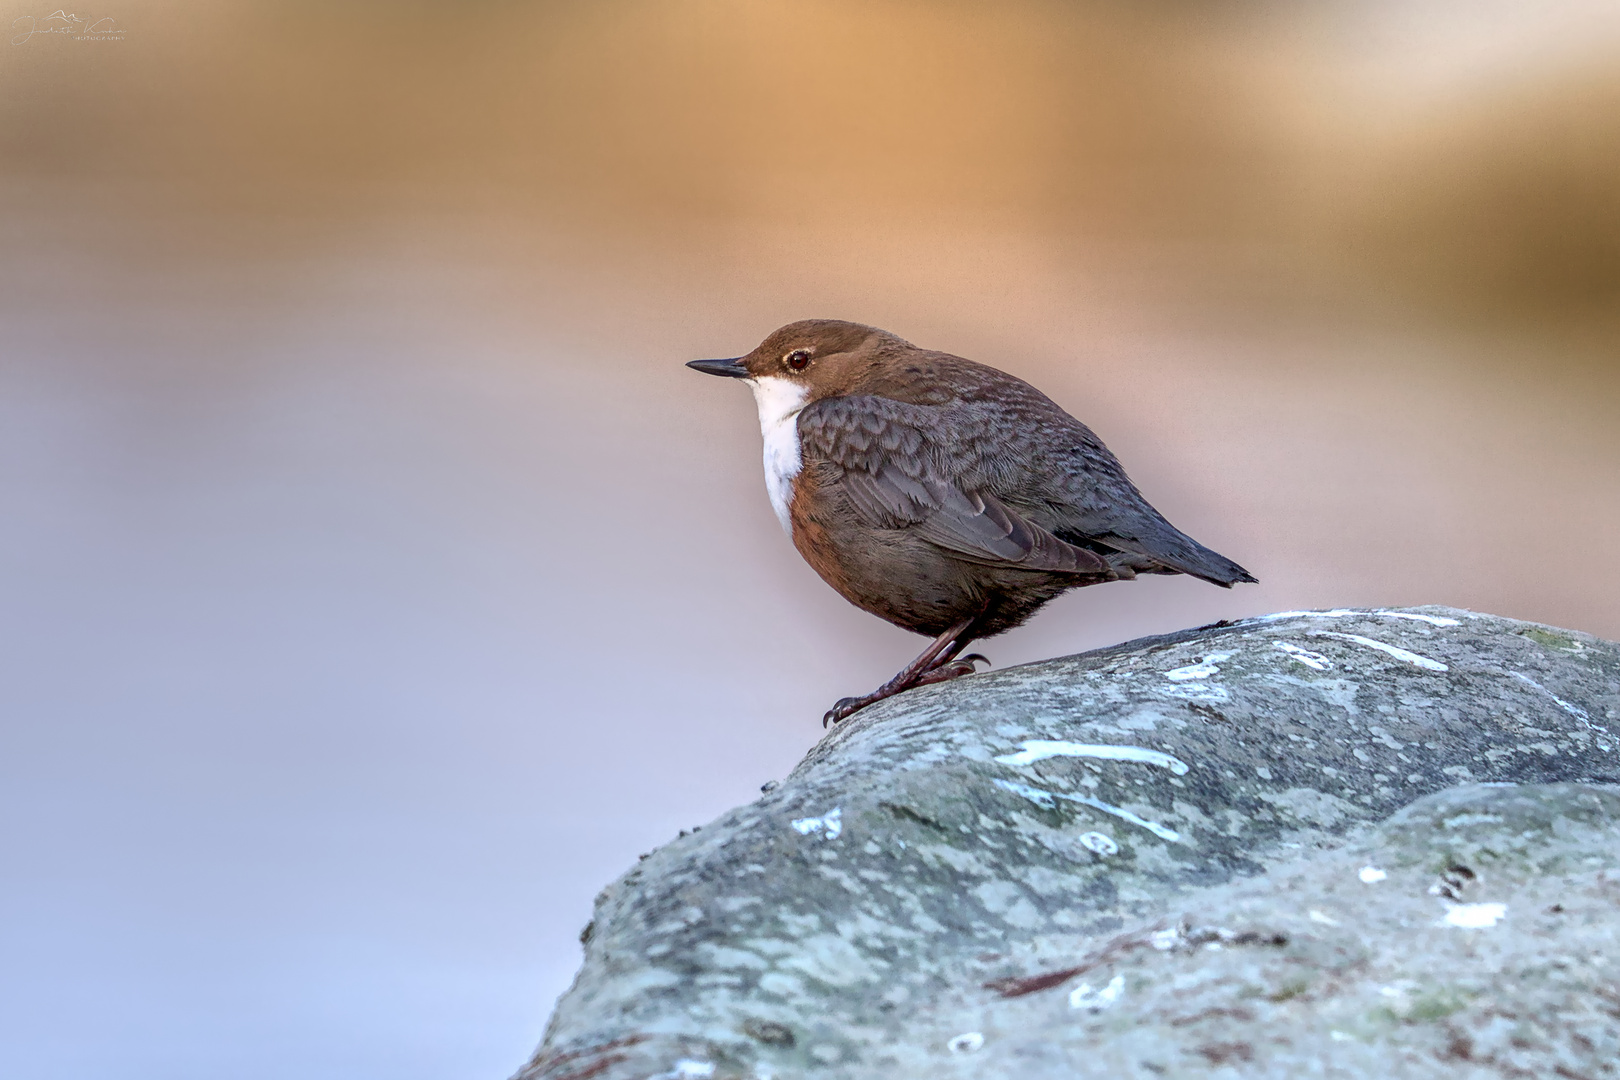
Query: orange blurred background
(379, 584)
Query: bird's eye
(798, 359)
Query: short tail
(1172, 551)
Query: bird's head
(809, 360)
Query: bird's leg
(947, 665)
(936, 663)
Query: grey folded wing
(887, 458)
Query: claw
(946, 672)
(843, 710)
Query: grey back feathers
(993, 471)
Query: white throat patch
(780, 401)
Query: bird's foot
(848, 707)
(951, 669)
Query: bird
(948, 497)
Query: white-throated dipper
(945, 496)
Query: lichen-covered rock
(1333, 843)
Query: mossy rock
(1334, 843)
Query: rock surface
(1329, 844)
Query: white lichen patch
(1048, 799)
(1371, 875)
(1463, 821)
(1344, 613)
(1045, 799)
(1305, 656)
(733, 904)
(1085, 996)
(1474, 916)
(1396, 651)
(829, 825)
(1206, 667)
(1040, 749)
(1380, 735)
(966, 1043)
(1568, 706)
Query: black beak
(731, 369)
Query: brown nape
(950, 498)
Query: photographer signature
(64, 22)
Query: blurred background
(377, 583)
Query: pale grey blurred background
(377, 584)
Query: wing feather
(895, 476)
